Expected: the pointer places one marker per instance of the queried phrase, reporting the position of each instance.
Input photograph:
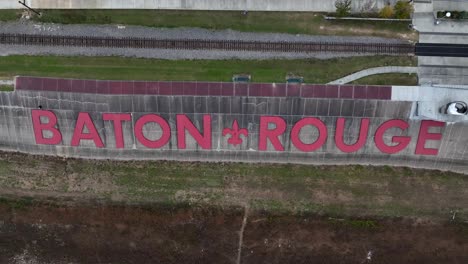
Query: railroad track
(198, 44)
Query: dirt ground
(55, 210)
(41, 233)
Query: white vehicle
(455, 108)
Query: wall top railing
(192, 88)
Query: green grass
(117, 68)
(18, 204)
(6, 88)
(287, 22)
(9, 15)
(389, 78)
(355, 223)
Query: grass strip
(351, 190)
(6, 88)
(282, 22)
(389, 78)
(118, 68)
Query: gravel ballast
(28, 27)
(6, 50)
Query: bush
(343, 8)
(386, 12)
(463, 15)
(403, 10)
(455, 15)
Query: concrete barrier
(311, 124)
(252, 5)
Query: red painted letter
(402, 141)
(271, 134)
(296, 130)
(39, 127)
(363, 131)
(118, 134)
(183, 123)
(84, 120)
(166, 131)
(424, 135)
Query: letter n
(39, 127)
(184, 123)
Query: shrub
(343, 8)
(463, 15)
(403, 9)
(455, 15)
(386, 12)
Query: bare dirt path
(39, 233)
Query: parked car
(455, 108)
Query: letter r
(271, 134)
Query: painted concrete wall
(252, 5)
(16, 128)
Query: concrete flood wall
(252, 5)
(293, 128)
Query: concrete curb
(367, 19)
(7, 82)
(373, 71)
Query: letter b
(39, 127)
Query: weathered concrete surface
(458, 5)
(441, 70)
(430, 99)
(252, 5)
(17, 130)
(6, 82)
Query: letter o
(166, 131)
(296, 130)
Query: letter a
(84, 120)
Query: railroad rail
(199, 44)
